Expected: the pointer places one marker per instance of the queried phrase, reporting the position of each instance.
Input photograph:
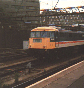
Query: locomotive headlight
(30, 46)
(44, 47)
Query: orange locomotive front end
(42, 41)
(42, 38)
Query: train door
(52, 40)
(56, 39)
(52, 36)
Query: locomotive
(51, 40)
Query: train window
(62, 34)
(44, 34)
(70, 35)
(33, 34)
(37, 40)
(38, 34)
(82, 35)
(51, 34)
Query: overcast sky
(49, 4)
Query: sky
(49, 4)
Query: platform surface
(71, 77)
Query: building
(24, 12)
(61, 18)
(17, 18)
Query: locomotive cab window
(44, 34)
(32, 34)
(35, 34)
(38, 34)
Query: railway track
(10, 57)
(12, 54)
(42, 64)
(49, 70)
(14, 67)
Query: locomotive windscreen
(42, 34)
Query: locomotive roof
(44, 29)
(50, 28)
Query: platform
(71, 77)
